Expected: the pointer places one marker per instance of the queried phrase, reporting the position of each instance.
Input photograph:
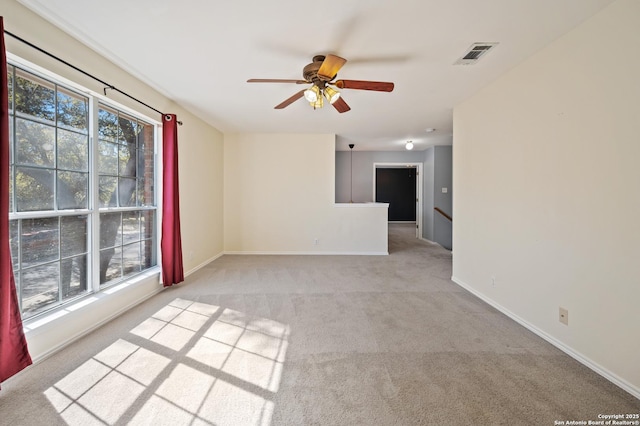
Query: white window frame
(93, 211)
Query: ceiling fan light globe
(318, 103)
(312, 94)
(331, 94)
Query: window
(82, 204)
(126, 194)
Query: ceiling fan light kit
(314, 95)
(321, 73)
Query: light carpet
(313, 340)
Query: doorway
(399, 185)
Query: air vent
(474, 53)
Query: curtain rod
(107, 85)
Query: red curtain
(171, 244)
(14, 355)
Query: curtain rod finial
(169, 117)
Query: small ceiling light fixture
(409, 145)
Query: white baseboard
(309, 253)
(203, 264)
(612, 377)
(429, 241)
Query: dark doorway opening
(397, 186)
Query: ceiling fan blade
(290, 100)
(378, 86)
(330, 66)
(341, 105)
(275, 80)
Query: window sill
(50, 332)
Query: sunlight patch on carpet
(188, 363)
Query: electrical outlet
(316, 242)
(563, 316)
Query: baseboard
(203, 264)
(435, 244)
(429, 241)
(612, 377)
(308, 253)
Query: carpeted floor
(313, 340)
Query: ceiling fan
(321, 74)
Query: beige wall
(279, 198)
(547, 192)
(200, 162)
(201, 192)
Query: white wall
(200, 163)
(279, 198)
(547, 192)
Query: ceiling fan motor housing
(310, 72)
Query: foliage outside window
(67, 174)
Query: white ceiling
(201, 52)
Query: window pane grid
(33, 119)
(51, 256)
(51, 179)
(53, 172)
(11, 191)
(35, 143)
(72, 150)
(34, 97)
(10, 78)
(71, 109)
(39, 287)
(126, 160)
(10, 72)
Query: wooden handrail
(443, 213)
